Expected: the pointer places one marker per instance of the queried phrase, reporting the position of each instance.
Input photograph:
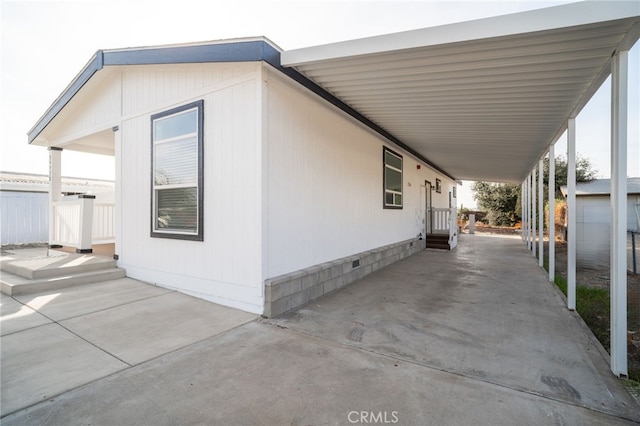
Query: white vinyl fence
(23, 217)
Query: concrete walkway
(472, 336)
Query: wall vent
(355, 263)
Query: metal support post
(552, 214)
(571, 214)
(540, 214)
(618, 291)
(533, 212)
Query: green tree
(584, 173)
(499, 200)
(502, 202)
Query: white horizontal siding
(325, 188)
(226, 266)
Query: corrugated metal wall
(24, 217)
(594, 230)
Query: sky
(44, 44)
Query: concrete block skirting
(291, 291)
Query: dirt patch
(500, 230)
(599, 278)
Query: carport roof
(478, 100)
(481, 99)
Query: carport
(488, 100)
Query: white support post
(533, 212)
(618, 291)
(118, 191)
(529, 211)
(540, 214)
(552, 214)
(571, 214)
(85, 223)
(55, 189)
(522, 218)
(524, 212)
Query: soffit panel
(481, 109)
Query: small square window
(392, 184)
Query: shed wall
(593, 221)
(226, 266)
(325, 184)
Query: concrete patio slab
(76, 301)
(142, 330)
(14, 316)
(472, 336)
(485, 311)
(42, 362)
(262, 374)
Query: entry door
(428, 208)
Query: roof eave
(253, 49)
(94, 65)
(243, 50)
(545, 19)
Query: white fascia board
(546, 19)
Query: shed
(593, 219)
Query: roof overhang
(481, 99)
(237, 50)
(478, 100)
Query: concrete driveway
(472, 336)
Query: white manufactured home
(263, 179)
(238, 184)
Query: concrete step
(15, 285)
(438, 241)
(438, 246)
(47, 263)
(444, 237)
(57, 269)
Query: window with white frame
(177, 168)
(392, 179)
